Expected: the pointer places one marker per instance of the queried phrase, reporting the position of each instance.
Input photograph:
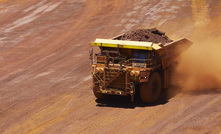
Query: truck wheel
(99, 95)
(150, 91)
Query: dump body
(121, 65)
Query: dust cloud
(199, 68)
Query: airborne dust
(199, 68)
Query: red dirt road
(45, 83)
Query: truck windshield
(139, 57)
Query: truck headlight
(137, 73)
(132, 73)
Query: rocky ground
(45, 83)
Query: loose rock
(149, 35)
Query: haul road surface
(45, 83)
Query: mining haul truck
(121, 65)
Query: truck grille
(115, 79)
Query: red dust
(200, 66)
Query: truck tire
(150, 91)
(99, 95)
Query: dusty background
(45, 82)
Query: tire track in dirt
(45, 85)
(186, 114)
(185, 119)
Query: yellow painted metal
(123, 44)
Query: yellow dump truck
(121, 65)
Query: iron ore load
(137, 61)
